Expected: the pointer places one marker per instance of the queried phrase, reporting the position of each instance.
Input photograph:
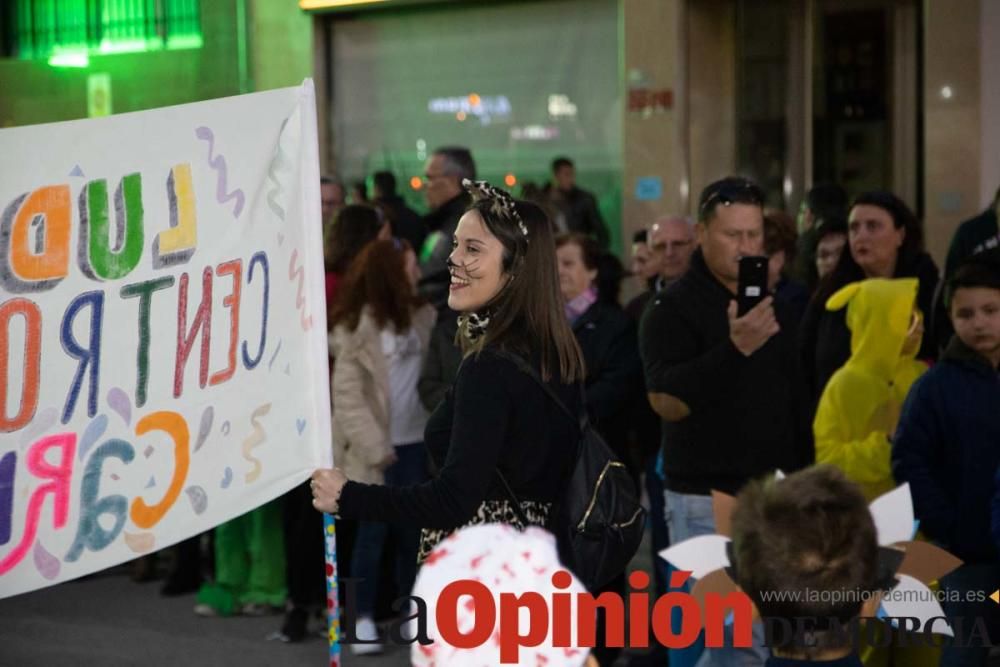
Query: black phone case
(752, 287)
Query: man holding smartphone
(725, 385)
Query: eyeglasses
(670, 245)
(729, 194)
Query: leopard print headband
(501, 203)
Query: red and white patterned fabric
(504, 560)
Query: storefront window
(853, 144)
(517, 83)
(762, 80)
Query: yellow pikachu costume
(860, 406)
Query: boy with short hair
(947, 444)
(810, 532)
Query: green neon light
(125, 46)
(67, 59)
(176, 42)
(70, 30)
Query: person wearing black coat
(607, 338)
(444, 357)
(726, 386)
(405, 222)
(646, 273)
(576, 210)
(444, 172)
(884, 241)
(609, 342)
(974, 236)
(824, 202)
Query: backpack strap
(517, 504)
(581, 420)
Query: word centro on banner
(89, 354)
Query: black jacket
(580, 212)
(804, 270)
(646, 423)
(795, 297)
(495, 417)
(825, 340)
(444, 357)
(972, 237)
(405, 222)
(610, 348)
(947, 446)
(747, 414)
(637, 306)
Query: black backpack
(598, 522)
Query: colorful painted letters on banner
(159, 368)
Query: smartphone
(752, 287)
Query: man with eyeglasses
(667, 248)
(671, 243)
(725, 386)
(447, 199)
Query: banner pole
(332, 596)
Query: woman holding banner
(495, 420)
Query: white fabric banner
(162, 328)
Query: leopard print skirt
(490, 511)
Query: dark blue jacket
(995, 517)
(849, 661)
(947, 446)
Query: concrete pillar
(655, 179)
(989, 57)
(953, 128)
(712, 88)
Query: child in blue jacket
(947, 446)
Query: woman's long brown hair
(377, 279)
(528, 316)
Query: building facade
(652, 99)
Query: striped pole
(332, 599)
